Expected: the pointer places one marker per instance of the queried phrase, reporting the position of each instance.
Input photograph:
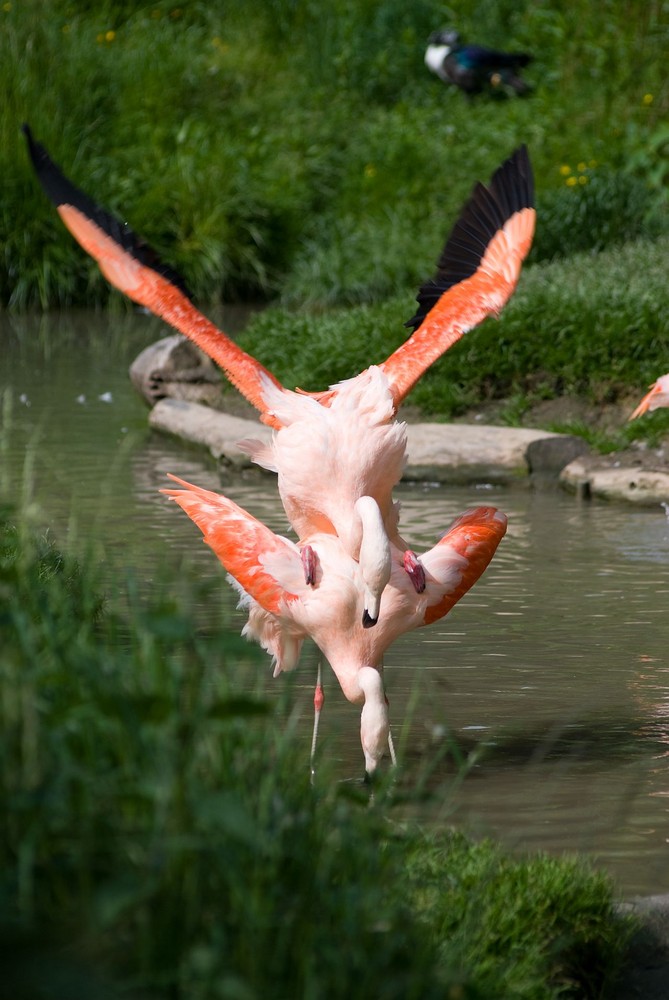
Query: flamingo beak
(367, 620)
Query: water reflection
(537, 711)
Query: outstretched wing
(133, 267)
(242, 543)
(477, 271)
(462, 555)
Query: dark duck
(474, 68)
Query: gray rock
(178, 378)
(175, 368)
(201, 425)
(437, 452)
(630, 483)
(475, 452)
(645, 975)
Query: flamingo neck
(374, 555)
(374, 720)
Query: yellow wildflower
(110, 36)
(565, 170)
(370, 171)
(571, 181)
(581, 167)
(647, 99)
(583, 179)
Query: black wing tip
(38, 154)
(515, 178)
(54, 182)
(61, 191)
(510, 190)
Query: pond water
(537, 712)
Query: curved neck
(374, 720)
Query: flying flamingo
(657, 397)
(347, 434)
(268, 568)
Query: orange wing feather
(238, 539)
(657, 397)
(477, 272)
(474, 535)
(133, 268)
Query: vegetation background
(300, 155)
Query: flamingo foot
(309, 563)
(414, 568)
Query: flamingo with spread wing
(268, 570)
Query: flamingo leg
(319, 698)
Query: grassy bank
(161, 836)
(595, 327)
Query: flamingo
(347, 434)
(655, 398)
(268, 571)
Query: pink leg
(319, 698)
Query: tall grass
(303, 150)
(160, 836)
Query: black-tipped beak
(367, 620)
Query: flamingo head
(374, 720)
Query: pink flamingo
(347, 434)
(269, 571)
(655, 398)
